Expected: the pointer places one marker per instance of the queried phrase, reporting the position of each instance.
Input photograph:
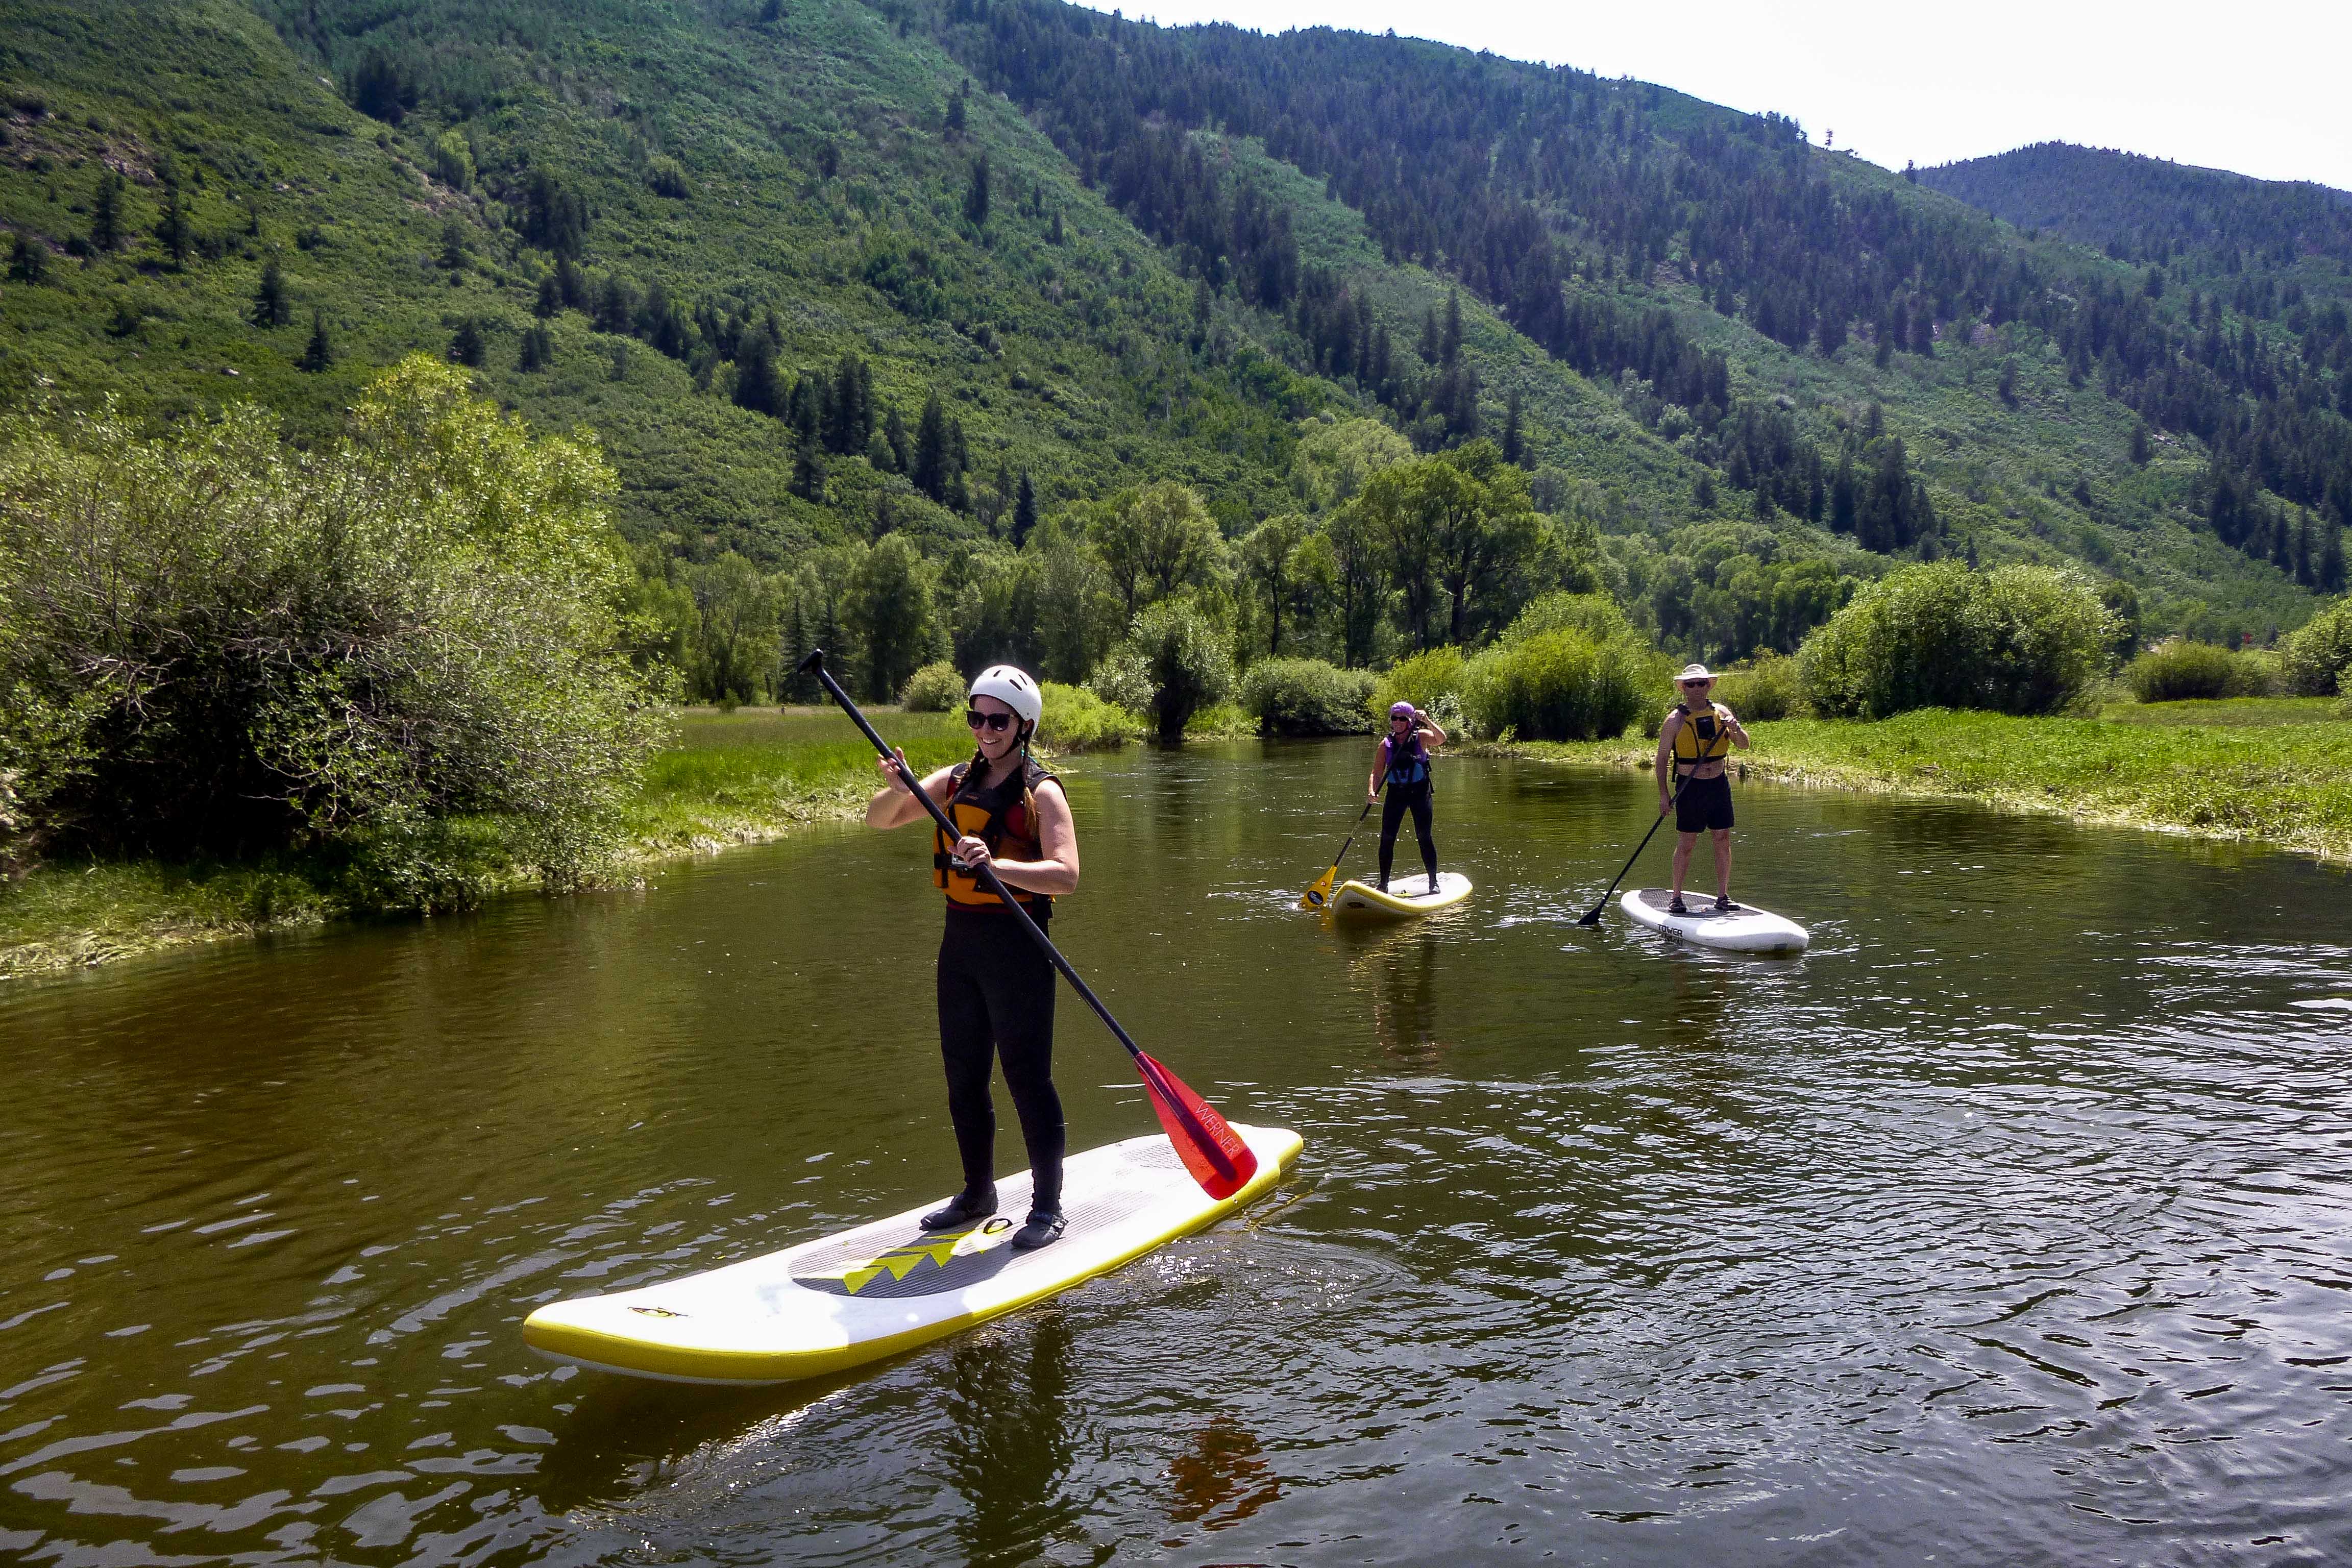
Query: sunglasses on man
(974, 719)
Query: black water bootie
(1382, 884)
(1675, 906)
(1045, 1227)
(968, 1206)
(1433, 884)
(1723, 901)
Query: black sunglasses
(975, 719)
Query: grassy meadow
(2263, 770)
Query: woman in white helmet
(995, 985)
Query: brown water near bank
(2009, 1223)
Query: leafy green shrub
(1123, 678)
(1595, 614)
(390, 649)
(2021, 639)
(1076, 719)
(2319, 653)
(1424, 681)
(934, 688)
(1770, 687)
(1558, 685)
(1187, 661)
(1306, 697)
(2177, 671)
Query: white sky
(2261, 86)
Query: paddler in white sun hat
(1694, 778)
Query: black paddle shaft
(815, 665)
(1592, 916)
(1344, 843)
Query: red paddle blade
(1211, 1151)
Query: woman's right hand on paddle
(894, 769)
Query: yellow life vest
(1694, 751)
(1003, 817)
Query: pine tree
(1024, 511)
(975, 196)
(172, 229)
(894, 436)
(956, 111)
(808, 468)
(2140, 442)
(318, 354)
(271, 308)
(453, 246)
(1514, 448)
(28, 260)
(466, 347)
(550, 297)
(932, 459)
(1451, 348)
(105, 214)
(1428, 346)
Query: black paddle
(1211, 1151)
(1592, 915)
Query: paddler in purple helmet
(1401, 762)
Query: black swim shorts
(1704, 805)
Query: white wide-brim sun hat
(1695, 672)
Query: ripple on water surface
(2010, 1222)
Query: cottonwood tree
(1157, 540)
(1268, 555)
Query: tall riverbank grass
(2272, 770)
(730, 778)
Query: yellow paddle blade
(1320, 893)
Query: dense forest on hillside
(1518, 179)
(2153, 211)
(896, 317)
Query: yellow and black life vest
(1002, 816)
(1701, 740)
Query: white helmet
(1013, 687)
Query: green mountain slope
(736, 238)
(1053, 357)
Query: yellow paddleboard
(887, 1287)
(1406, 895)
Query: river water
(2012, 1223)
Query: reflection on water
(2009, 1223)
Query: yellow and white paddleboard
(887, 1287)
(1407, 895)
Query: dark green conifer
(1024, 510)
(931, 470)
(466, 347)
(105, 214)
(320, 352)
(271, 308)
(28, 260)
(975, 196)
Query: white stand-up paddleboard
(1407, 895)
(1743, 930)
(890, 1286)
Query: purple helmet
(1401, 709)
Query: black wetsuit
(1408, 790)
(996, 990)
